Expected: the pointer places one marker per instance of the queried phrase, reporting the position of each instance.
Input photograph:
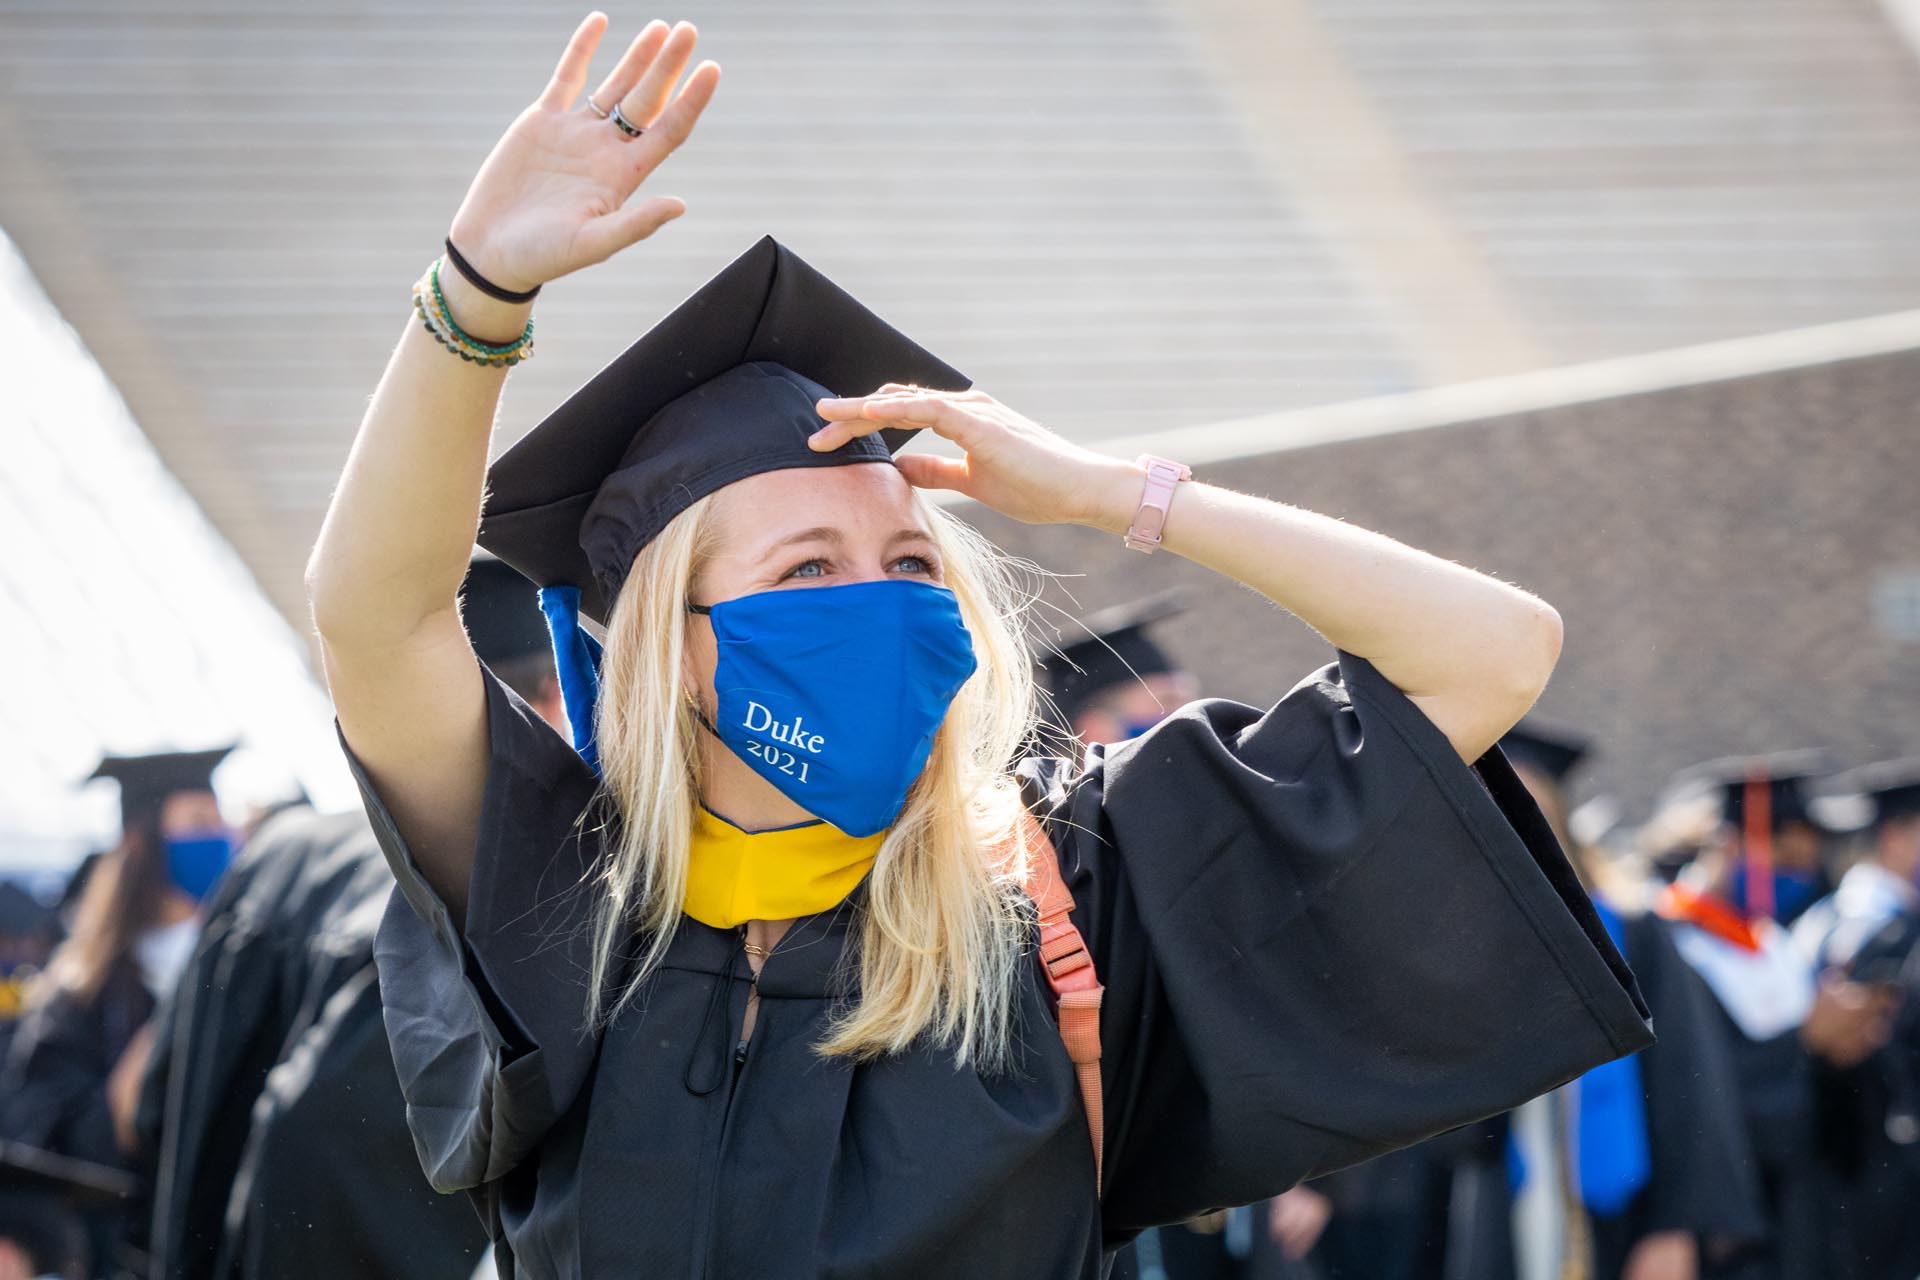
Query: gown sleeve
(1323, 936)
(487, 1016)
(56, 1093)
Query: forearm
(394, 547)
(1472, 651)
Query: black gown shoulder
(1322, 934)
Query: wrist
(1111, 496)
(487, 319)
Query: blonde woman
(744, 981)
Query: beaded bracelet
(436, 319)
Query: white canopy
(127, 624)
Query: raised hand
(1012, 464)
(552, 195)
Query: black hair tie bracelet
(483, 284)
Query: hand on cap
(552, 196)
(1012, 464)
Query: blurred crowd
(1770, 910)
(196, 1078)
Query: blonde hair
(946, 921)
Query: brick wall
(1716, 552)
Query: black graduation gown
(258, 1011)
(1434, 1211)
(329, 1185)
(55, 1088)
(1774, 1083)
(1405, 1214)
(226, 1025)
(1703, 1177)
(1322, 936)
(1869, 1119)
(54, 1092)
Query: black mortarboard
(501, 611)
(1114, 650)
(145, 781)
(720, 390)
(1893, 787)
(1787, 776)
(1545, 750)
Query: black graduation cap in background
(1116, 649)
(1893, 787)
(1787, 777)
(1550, 751)
(722, 389)
(501, 612)
(146, 781)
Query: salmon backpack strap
(1068, 966)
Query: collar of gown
(806, 962)
(826, 874)
(734, 876)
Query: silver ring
(596, 108)
(623, 124)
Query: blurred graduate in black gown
(1783, 1022)
(74, 1065)
(36, 1233)
(1869, 1113)
(1641, 1168)
(272, 1110)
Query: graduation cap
(146, 781)
(501, 612)
(1548, 751)
(1892, 787)
(1774, 789)
(1759, 796)
(1115, 650)
(722, 389)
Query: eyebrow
(823, 533)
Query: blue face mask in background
(196, 860)
(833, 694)
(1792, 891)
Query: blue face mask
(1792, 891)
(195, 861)
(833, 694)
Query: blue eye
(800, 570)
(919, 564)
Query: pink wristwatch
(1148, 522)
